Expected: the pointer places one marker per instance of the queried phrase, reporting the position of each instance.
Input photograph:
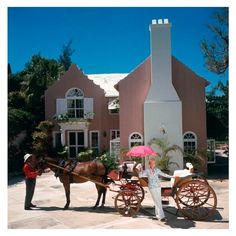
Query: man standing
(30, 179)
(154, 185)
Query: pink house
(162, 97)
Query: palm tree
(163, 156)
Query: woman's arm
(164, 174)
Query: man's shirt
(30, 172)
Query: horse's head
(43, 163)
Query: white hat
(189, 165)
(26, 156)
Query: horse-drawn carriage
(194, 197)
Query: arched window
(135, 139)
(75, 103)
(190, 142)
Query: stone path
(50, 199)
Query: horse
(93, 170)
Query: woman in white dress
(154, 184)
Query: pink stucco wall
(102, 121)
(189, 86)
(132, 91)
(191, 90)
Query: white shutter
(61, 106)
(88, 108)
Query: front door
(75, 143)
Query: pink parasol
(141, 151)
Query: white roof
(107, 82)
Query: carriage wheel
(127, 203)
(196, 200)
(135, 188)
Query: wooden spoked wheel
(196, 200)
(127, 203)
(135, 188)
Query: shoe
(32, 205)
(154, 218)
(28, 208)
(163, 220)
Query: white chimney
(162, 107)
(154, 21)
(161, 69)
(166, 21)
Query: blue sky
(106, 40)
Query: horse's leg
(99, 195)
(66, 183)
(104, 191)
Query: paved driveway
(50, 199)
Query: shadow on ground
(175, 220)
(105, 209)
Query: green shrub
(42, 139)
(45, 126)
(109, 161)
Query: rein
(81, 176)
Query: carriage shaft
(81, 176)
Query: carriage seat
(184, 175)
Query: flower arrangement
(109, 161)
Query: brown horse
(93, 170)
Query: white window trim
(66, 95)
(110, 110)
(111, 130)
(190, 140)
(138, 140)
(75, 109)
(90, 139)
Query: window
(114, 133)
(115, 147)
(75, 143)
(135, 139)
(75, 103)
(56, 139)
(113, 106)
(190, 142)
(114, 111)
(94, 142)
(211, 158)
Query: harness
(62, 163)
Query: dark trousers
(30, 186)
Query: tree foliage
(218, 112)
(216, 50)
(65, 56)
(26, 104)
(37, 76)
(18, 120)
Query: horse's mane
(50, 159)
